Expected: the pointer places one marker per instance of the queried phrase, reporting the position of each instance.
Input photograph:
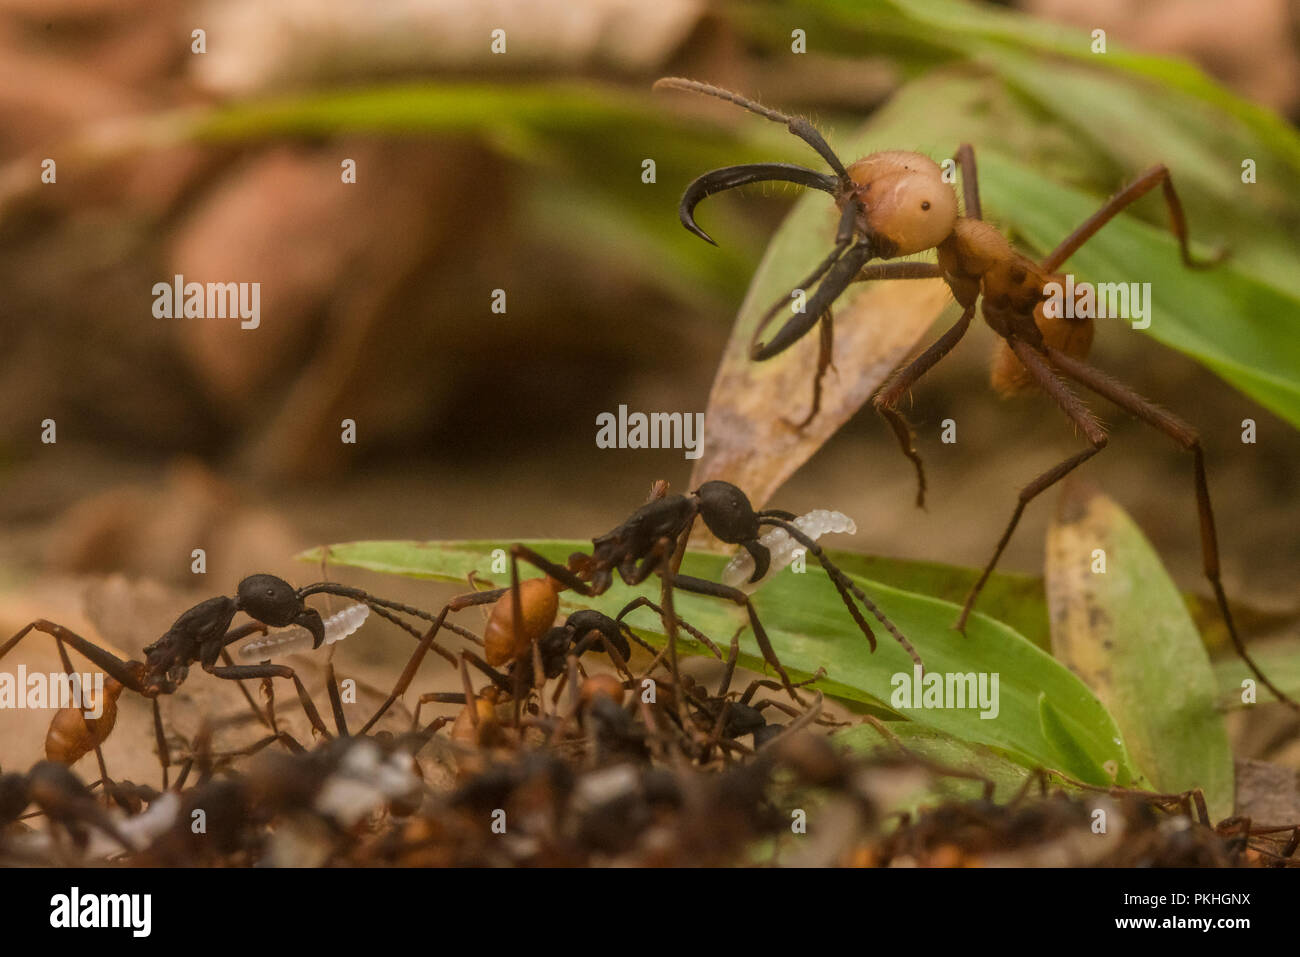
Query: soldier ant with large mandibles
(653, 540)
(202, 634)
(897, 203)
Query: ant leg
(795, 124)
(419, 635)
(1166, 422)
(676, 552)
(970, 183)
(825, 361)
(700, 586)
(385, 609)
(336, 702)
(360, 595)
(234, 635)
(1156, 175)
(847, 587)
(729, 672)
(426, 643)
(1077, 413)
(235, 672)
(127, 673)
(436, 697)
(643, 602)
(90, 722)
(496, 677)
(886, 400)
(561, 574)
(832, 276)
(160, 741)
(757, 683)
(589, 641)
(408, 673)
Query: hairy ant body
(200, 635)
(896, 204)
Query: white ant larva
(782, 547)
(296, 638)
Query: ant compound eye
(926, 204)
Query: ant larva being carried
(652, 540)
(897, 203)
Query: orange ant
(896, 203)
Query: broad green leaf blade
(1279, 659)
(1245, 329)
(1127, 633)
(1007, 775)
(956, 29)
(1012, 598)
(810, 629)
(1073, 751)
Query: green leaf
(1071, 750)
(1245, 329)
(1127, 633)
(810, 629)
(1007, 775)
(1012, 598)
(1279, 659)
(1000, 40)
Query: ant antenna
(797, 125)
(843, 584)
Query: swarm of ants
(578, 742)
(565, 752)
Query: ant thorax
(977, 259)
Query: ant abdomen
(72, 736)
(504, 640)
(1068, 333)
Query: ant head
(727, 512)
(907, 206)
(269, 599)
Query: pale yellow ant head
(908, 206)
